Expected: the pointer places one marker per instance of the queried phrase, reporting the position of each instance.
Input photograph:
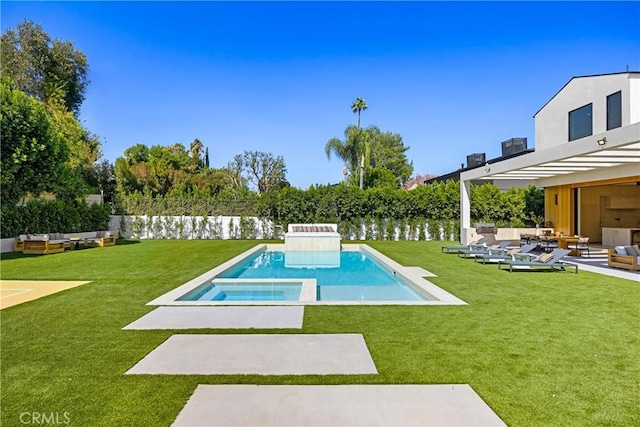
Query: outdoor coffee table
(75, 242)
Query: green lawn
(541, 348)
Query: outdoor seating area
(549, 241)
(52, 243)
(528, 257)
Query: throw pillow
(631, 250)
(620, 250)
(545, 258)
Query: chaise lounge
(483, 250)
(521, 253)
(547, 261)
(454, 249)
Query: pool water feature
(356, 275)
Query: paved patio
(276, 354)
(598, 262)
(339, 405)
(228, 317)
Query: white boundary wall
(192, 227)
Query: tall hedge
(50, 216)
(343, 204)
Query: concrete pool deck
(336, 405)
(415, 276)
(299, 354)
(228, 317)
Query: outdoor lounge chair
(475, 251)
(549, 261)
(454, 249)
(521, 253)
(101, 239)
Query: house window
(614, 110)
(580, 122)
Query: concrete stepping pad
(336, 405)
(279, 317)
(300, 354)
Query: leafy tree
(358, 106)
(33, 153)
(379, 177)
(139, 153)
(534, 202)
(102, 179)
(43, 68)
(264, 170)
(83, 146)
(388, 152)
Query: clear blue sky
(453, 78)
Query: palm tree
(342, 150)
(358, 105)
(196, 149)
(354, 151)
(360, 140)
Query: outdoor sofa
(621, 257)
(42, 245)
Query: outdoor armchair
(102, 238)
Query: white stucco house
(587, 158)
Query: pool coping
(410, 274)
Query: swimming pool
(357, 274)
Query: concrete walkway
(229, 317)
(598, 262)
(339, 405)
(299, 354)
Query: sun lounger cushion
(544, 258)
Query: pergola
(612, 157)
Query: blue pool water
(230, 291)
(358, 277)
